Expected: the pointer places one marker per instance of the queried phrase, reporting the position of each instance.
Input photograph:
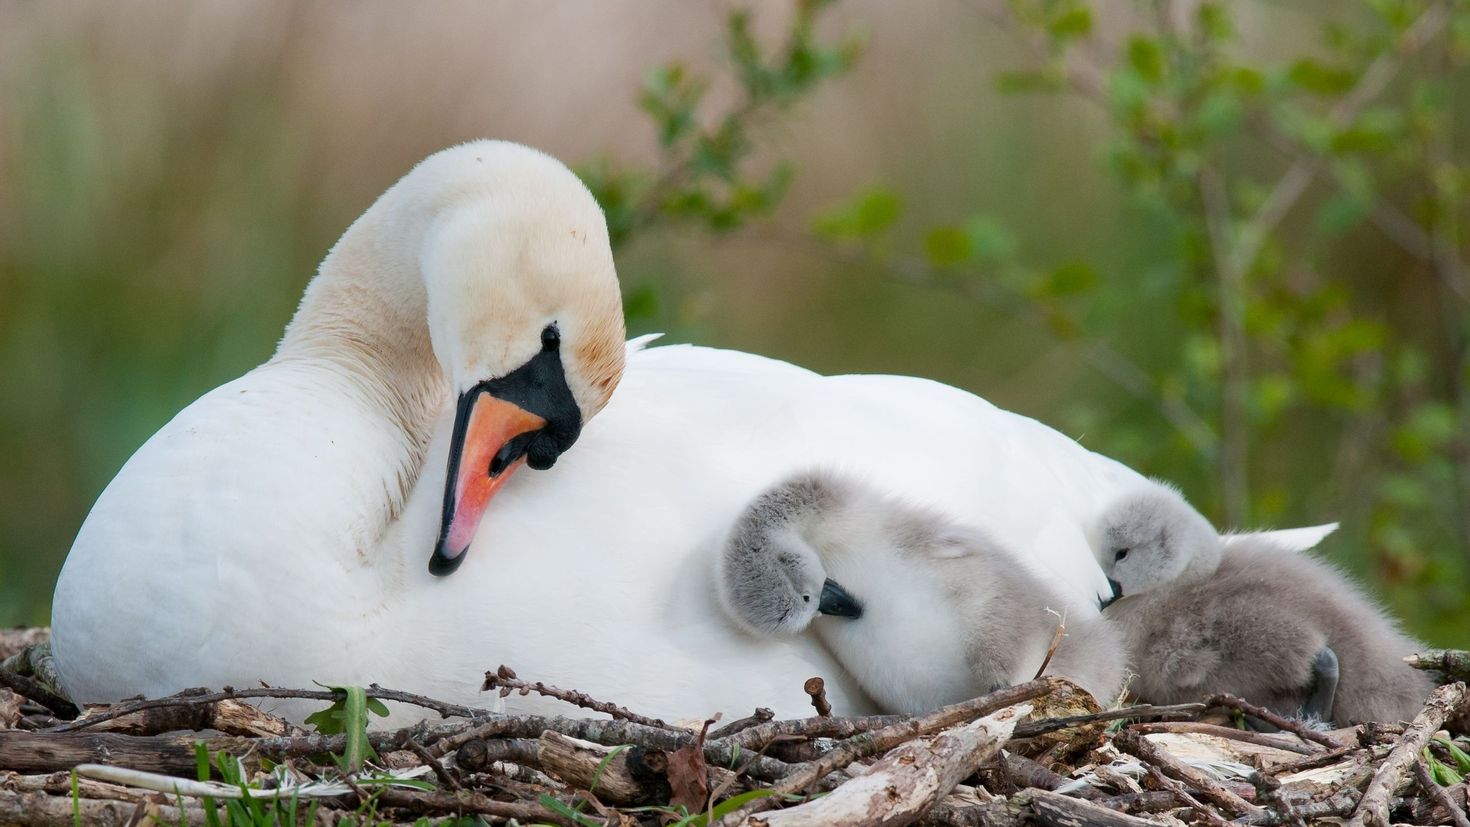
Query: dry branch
(1444, 702)
(905, 783)
(1454, 663)
(505, 680)
(1150, 754)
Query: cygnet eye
(806, 598)
(1122, 552)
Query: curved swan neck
(364, 315)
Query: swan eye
(1122, 553)
(550, 337)
(806, 598)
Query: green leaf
(1071, 23)
(867, 216)
(1035, 80)
(947, 246)
(1341, 213)
(1319, 78)
(1069, 279)
(1146, 58)
(555, 805)
(990, 239)
(1214, 21)
(730, 805)
(1462, 759)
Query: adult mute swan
(305, 521)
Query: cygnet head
(778, 586)
(509, 254)
(1152, 537)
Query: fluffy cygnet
(1276, 627)
(922, 611)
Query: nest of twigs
(1042, 752)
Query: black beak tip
(837, 602)
(1117, 592)
(442, 565)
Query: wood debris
(1042, 753)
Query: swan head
(1152, 537)
(525, 317)
(779, 585)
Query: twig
(1269, 792)
(1443, 703)
(1051, 649)
(445, 776)
(505, 680)
(1437, 793)
(760, 716)
(1031, 729)
(36, 691)
(1260, 739)
(1296, 728)
(1140, 747)
(197, 697)
(1454, 663)
(1184, 796)
(816, 689)
(469, 802)
(802, 778)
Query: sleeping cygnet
(921, 610)
(1274, 626)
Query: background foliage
(1220, 242)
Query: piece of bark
(1445, 702)
(232, 717)
(1285, 743)
(41, 810)
(1058, 810)
(900, 787)
(632, 775)
(10, 704)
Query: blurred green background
(1077, 210)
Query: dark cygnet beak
(836, 601)
(1117, 587)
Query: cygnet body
(1277, 627)
(923, 611)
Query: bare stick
(1184, 796)
(445, 776)
(1260, 739)
(816, 689)
(760, 716)
(505, 680)
(36, 691)
(1031, 729)
(1438, 794)
(1140, 747)
(1443, 703)
(1454, 663)
(1051, 649)
(857, 747)
(197, 697)
(1296, 728)
(905, 783)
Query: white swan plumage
(278, 528)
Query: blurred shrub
(1264, 382)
